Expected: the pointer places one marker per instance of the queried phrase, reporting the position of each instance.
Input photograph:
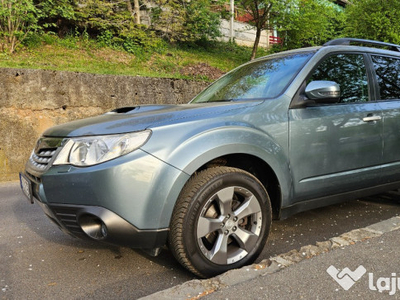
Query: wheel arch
(249, 163)
(255, 166)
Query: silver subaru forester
(279, 135)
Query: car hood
(130, 119)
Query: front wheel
(221, 221)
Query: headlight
(92, 150)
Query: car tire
(221, 221)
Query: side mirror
(323, 91)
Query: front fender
(190, 154)
(199, 150)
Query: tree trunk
(256, 42)
(137, 11)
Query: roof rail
(352, 41)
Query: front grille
(42, 159)
(44, 153)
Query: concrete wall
(33, 100)
(244, 34)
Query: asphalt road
(38, 261)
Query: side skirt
(334, 199)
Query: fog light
(93, 227)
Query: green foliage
(114, 27)
(201, 23)
(71, 40)
(105, 38)
(56, 14)
(98, 15)
(17, 19)
(168, 19)
(311, 23)
(181, 20)
(36, 39)
(228, 49)
(376, 20)
(138, 37)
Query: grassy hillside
(205, 62)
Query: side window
(347, 70)
(387, 71)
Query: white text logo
(346, 278)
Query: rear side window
(387, 71)
(347, 70)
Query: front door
(337, 147)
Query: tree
(99, 15)
(17, 19)
(67, 15)
(311, 22)
(376, 20)
(57, 15)
(182, 20)
(113, 24)
(262, 15)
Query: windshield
(261, 79)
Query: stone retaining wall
(33, 100)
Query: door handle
(372, 118)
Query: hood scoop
(140, 109)
(123, 110)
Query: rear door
(336, 148)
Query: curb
(196, 289)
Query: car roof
(353, 41)
(347, 44)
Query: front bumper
(127, 201)
(101, 224)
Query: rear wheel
(221, 221)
